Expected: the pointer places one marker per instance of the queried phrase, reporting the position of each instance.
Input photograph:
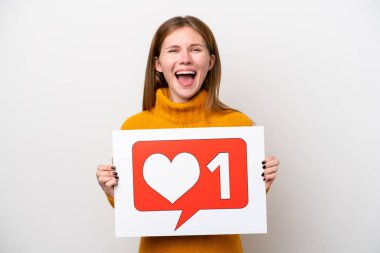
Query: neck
(180, 113)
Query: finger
(110, 184)
(270, 170)
(268, 158)
(106, 173)
(106, 168)
(103, 180)
(270, 177)
(271, 161)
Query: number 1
(222, 161)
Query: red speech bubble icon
(190, 175)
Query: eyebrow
(192, 45)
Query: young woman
(182, 81)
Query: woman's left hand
(270, 166)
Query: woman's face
(185, 62)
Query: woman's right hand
(107, 178)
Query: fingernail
(263, 162)
(264, 166)
(113, 167)
(115, 173)
(262, 174)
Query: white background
(71, 72)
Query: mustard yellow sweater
(167, 114)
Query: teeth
(185, 73)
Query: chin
(188, 92)
(185, 92)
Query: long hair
(155, 80)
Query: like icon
(190, 175)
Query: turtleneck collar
(180, 113)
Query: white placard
(189, 181)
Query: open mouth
(185, 78)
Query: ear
(211, 62)
(157, 64)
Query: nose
(185, 58)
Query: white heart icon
(171, 179)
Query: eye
(173, 50)
(196, 49)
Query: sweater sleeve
(111, 200)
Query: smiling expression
(184, 61)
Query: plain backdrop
(71, 72)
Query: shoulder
(233, 118)
(137, 121)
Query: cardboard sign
(189, 181)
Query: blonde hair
(155, 80)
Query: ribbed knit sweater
(167, 114)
